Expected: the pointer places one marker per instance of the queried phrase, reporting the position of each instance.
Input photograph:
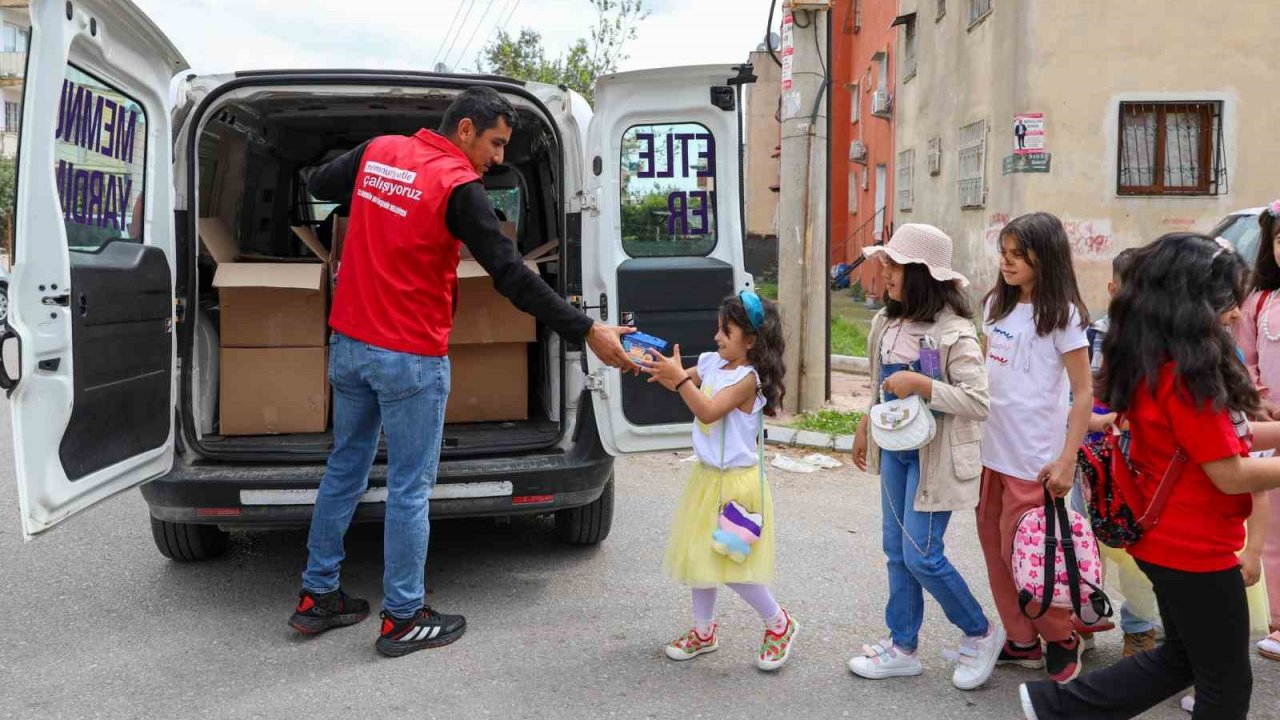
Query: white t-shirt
(740, 448)
(1029, 392)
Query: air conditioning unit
(858, 152)
(881, 102)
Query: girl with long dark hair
(729, 391)
(1171, 370)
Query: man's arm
(471, 219)
(336, 179)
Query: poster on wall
(1028, 133)
(788, 49)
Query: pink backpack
(1073, 578)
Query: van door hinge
(587, 202)
(595, 383)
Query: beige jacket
(950, 465)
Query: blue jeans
(916, 558)
(404, 396)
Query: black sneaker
(1062, 659)
(427, 629)
(317, 613)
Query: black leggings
(1206, 625)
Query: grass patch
(847, 338)
(831, 422)
(767, 290)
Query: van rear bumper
(227, 495)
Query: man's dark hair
(483, 105)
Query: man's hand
(605, 342)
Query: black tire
(589, 524)
(186, 542)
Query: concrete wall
(762, 130)
(1076, 62)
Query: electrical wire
(498, 27)
(471, 6)
(456, 12)
(474, 32)
(768, 33)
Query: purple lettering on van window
(684, 139)
(645, 156)
(97, 183)
(669, 171)
(88, 121)
(709, 154)
(111, 204)
(124, 148)
(73, 114)
(109, 112)
(62, 109)
(79, 196)
(65, 169)
(678, 204)
(699, 211)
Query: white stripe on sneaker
(434, 632)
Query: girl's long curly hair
(766, 355)
(1169, 309)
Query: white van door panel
(91, 293)
(662, 234)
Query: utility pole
(802, 203)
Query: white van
(115, 316)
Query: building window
(14, 38)
(973, 161)
(909, 54)
(978, 10)
(853, 192)
(1171, 149)
(935, 156)
(12, 116)
(855, 103)
(942, 8)
(857, 15)
(906, 170)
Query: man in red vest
(413, 201)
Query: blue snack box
(638, 345)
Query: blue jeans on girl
(914, 546)
(380, 391)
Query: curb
(850, 364)
(790, 437)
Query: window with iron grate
(906, 172)
(972, 155)
(1171, 148)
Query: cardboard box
(490, 383)
(273, 391)
(484, 315)
(273, 304)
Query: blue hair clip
(755, 308)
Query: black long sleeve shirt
(470, 217)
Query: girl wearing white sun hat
(919, 489)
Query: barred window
(978, 9)
(1171, 149)
(972, 155)
(906, 172)
(909, 56)
(935, 156)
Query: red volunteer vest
(399, 262)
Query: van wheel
(186, 542)
(589, 524)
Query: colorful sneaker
(1027, 657)
(1062, 659)
(317, 613)
(1139, 642)
(1269, 646)
(976, 659)
(690, 645)
(776, 648)
(884, 660)
(427, 629)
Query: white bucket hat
(922, 244)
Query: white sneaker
(1189, 703)
(884, 660)
(976, 659)
(1269, 646)
(1027, 708)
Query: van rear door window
(668, 186)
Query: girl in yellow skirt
(723, 528)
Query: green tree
(524, 57)
(8, 172)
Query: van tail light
(218, 512)
(532, 499)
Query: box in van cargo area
(272, 304)
(490, 383)
(273, 391)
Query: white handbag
(903, 424)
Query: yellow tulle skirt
(690, 558)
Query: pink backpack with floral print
(1073, 577)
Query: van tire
(186, 542)
(589, 524)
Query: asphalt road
(99, 625)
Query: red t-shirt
(1202, 528)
